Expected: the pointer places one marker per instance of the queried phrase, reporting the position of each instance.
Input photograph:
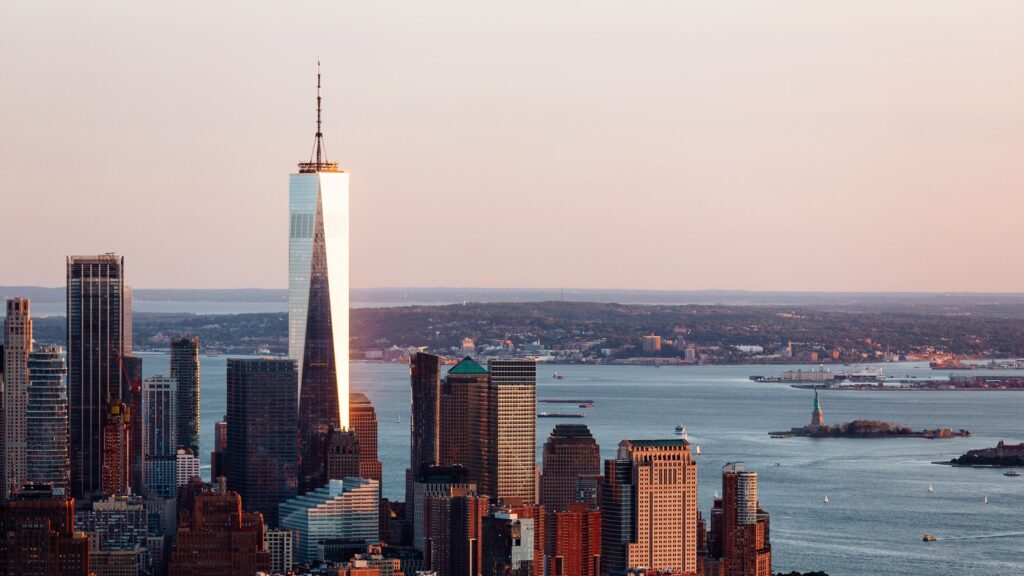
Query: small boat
(557, 376)
(698, 449)
(826, 498)
(399, 419)
(1012, 473)
(929, 538)
(985, 500)
(681, 431)
(716, 494)
(930, 489)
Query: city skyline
(713, 134)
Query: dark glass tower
(425, 380)
(185, 369)
(95, 325)
(260, 458)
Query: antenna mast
(318, 159)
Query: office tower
(159, 415)
(740, 535)
(569, 454)
(37, 534)
(216, 537)
(185, 369)
(436, 481)
(342, 509)
(186, 466)
(512, 429)
(425, 381)
(318, 303)
(46, 417)
(465, 420)
(17, 348)
(649, 508)
(220, 446)
(454, 533)
(279, 543)
(363, 420)
(132, 367)
(343, 455)
(261, 432)
(116, 439)
(162, 476)
(508, 545)
(95, 325)
(126, 342)
(574, 537)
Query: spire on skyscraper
(318, 158)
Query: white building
(159, 416)
(346, 508)
(278, 542)
(187, 466)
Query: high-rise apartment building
(95, 328)
(159, 416)
(280, 543)
(216, 537)
(185, 370)
(318, 310)
(126, 342)
(345, 509)
(116, 447)
(512, 429)
(570, 453)
(46, 417)
(132, 368)
(17, 348)
(454, 530)
(186, 466)
(574, 542)
(649, 508)
(363, 422)
(508, 545)
(261, 450)
(436, 481)
(738, 543)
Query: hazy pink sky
(801, 145)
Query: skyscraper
(512, 429)
(575, 542)
(569, 454)
(185, 370)
(649, 508)
(46, 452)
(453, 533)
(318, 302)
(95, 324)
(342, 509)
(261, 454)
(741, 536)
(17, 348)
(425, 382)
(116, 447)
(159, 414)
(465, 418)
(137, 450)
(363, 420)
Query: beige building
(18, 346)
(512, 434)
(652, 343)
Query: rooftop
(468, 366)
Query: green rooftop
(468, 366)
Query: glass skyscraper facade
(318, 302)
(47, 418)
(185, 371)
(95, 328)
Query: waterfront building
(512, 429)
(132, 366)
(116, 439)
(508, 545)
(279, 543)
(46, 417)
(17, 348)
(95, 328)
(318, 304)
(738, 543)
(363, 420)
(261, 432)
(651, 343)
(38, 536)
(342, 509)
(574, 542)
(570, 453)
(186, 466)
(159, 416)
(649, 508)
(185, 370)
(454, 533)
(216, 537)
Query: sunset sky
(795, 145)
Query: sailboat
(826, 498)
(986, 500)
(716, 494)
(399, 419)
(930, 489)
(698, 449)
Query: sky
(789, 145)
